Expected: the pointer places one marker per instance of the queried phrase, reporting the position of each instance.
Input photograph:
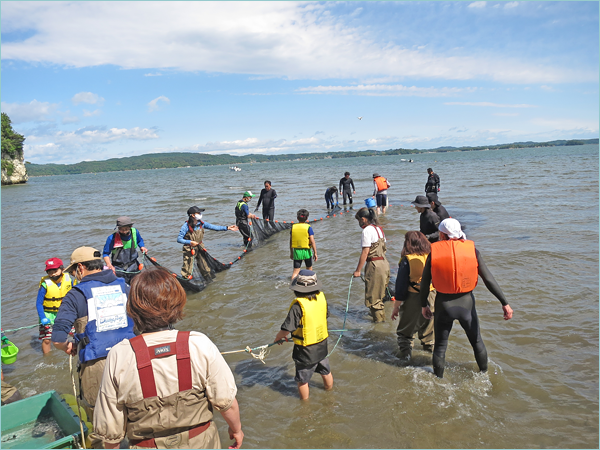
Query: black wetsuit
(429, 222)
(441, 212)
(433, 183)
(241, 220)
(345, 184)
(461, 307)
(267, 198)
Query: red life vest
(454, 266)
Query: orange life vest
(382, 183)
(454, 266)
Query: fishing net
(260, 231)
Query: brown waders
(90, 378)
(377, 277)
(411, 322)
(200, 255)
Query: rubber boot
(404, 354)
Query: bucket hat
(124, 221)
(375, 175)
(421, 202)
(306, 281)
(195, 210)
(83, 254)
(53, 263)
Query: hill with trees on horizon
(184, 159)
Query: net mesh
(260, 231)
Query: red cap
(53, 263)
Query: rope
(262, 354)
(77, 399)
(345, 317)
(21, 328)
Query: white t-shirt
(370, 235)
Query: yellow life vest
(416, 265)
(55, 293)
(300, 237)
(313, 327)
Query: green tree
(12, 142)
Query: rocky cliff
(14, 171)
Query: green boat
(41, 421)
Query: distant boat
(235, 169)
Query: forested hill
(175, 160)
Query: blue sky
(98, 80)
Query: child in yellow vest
(53, 287)
(307, 323)
(302, 240)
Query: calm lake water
(533, 214)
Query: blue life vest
(108, 323)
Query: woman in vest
(453, 267)
(408, 304)
(160, 388)
(372, 257)
(191, 235)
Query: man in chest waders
(242, 214)
(119, 253)
(191, 236)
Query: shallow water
(533, 214)
(36, 434)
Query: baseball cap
(194, 210)
(53, 263)
(83, 254)
(248, 194)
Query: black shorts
(298, 263)
(304, 373)
(381, 200)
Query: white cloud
(492, 105)
(33, 111)
(87, 97)
(511, 5)
(153, 105)
(477, 5)
(277, 39)
(567, 124)
(386, 90)
(87, 113)
(94, 135)
(153, 74)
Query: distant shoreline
(185, 160)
